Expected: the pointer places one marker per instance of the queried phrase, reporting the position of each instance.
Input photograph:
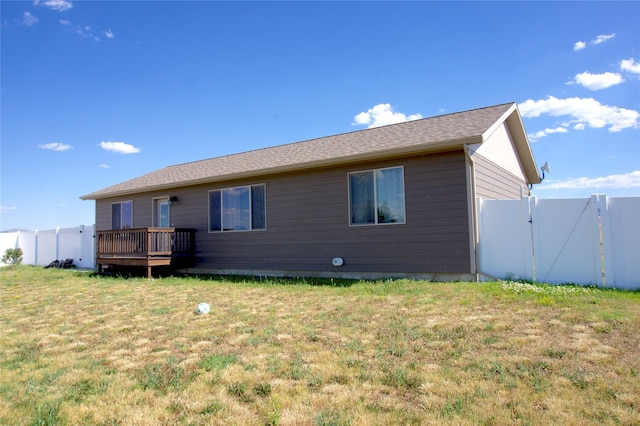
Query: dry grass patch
(80, 349)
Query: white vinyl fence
(583, 241)
(40, 248)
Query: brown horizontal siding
(494, 182)
(103, 215)
(142, 211)
(308, 222)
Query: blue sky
(95, 93)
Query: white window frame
(120, 204)
(376, 221)
(250, 229)
(154, 209)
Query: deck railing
(145, 242)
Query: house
(391, 201)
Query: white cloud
(542, 133)
(56, 146)
(7, 208)
(630, 65)
(28, 19)
(59, 5)
(381, 115)
(119, 147)
(579, 45)
(556, 130)
(627, 180)
(598, 81)
(582, 112)
(86, 31)
(602, 38)
(104, 166)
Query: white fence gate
(40, 248)
(584, 241)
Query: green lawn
(82, 349)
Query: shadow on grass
(133, 272)
(281, 281)
(136, 272)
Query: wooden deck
(147, 247)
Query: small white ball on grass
(203, 308)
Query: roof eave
(369, 156)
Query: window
(122, 215)
(161, 212)
(237, 209)
(377, 196)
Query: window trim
(220, 190)
(120, 203)
(375, 198)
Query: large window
(377, 196)
(237, 209)
(122, 215)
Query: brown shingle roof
(426, 134)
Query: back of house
(391, 201)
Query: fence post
(533, 223)
(35, 248)
(597, 242)
(604, 238)
(57, 256)
(81, 244)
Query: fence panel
(46, 247)
(27, 242)
(69, 244)
(504, 247)
(621, 241)
(567, 241)
(88, 259)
